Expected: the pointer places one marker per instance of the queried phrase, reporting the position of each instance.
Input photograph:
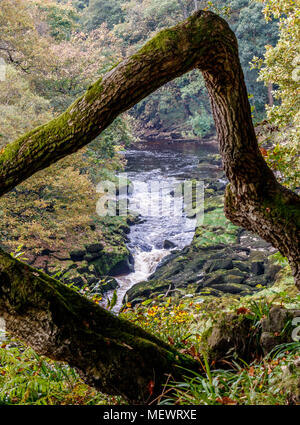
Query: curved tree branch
(48, 316)
(255, 200)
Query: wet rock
(92, 256)
(258, 268)
(231, 278)
(94, 248)
(145, 247)
(257, 280)
(197, 264)
(124, 266)
(242, 266)
(168, 244)
(165, 261)
(146, 289)
(209, 292)
(271, 271)
(225, 264)
(77, 255)
(231, 288)
(215, 278)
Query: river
(161, 166)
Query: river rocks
(275, 329)
(94, 248)
(124, 266)
(257, 268)
(144, 290)
(222, 258)
(213, 265)
(220, 268)
(168, 244)
(77, 255)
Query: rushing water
(161, 166)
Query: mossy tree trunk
(112, 354)
(62, 325)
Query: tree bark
(270, 94)
(48, 316)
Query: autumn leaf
(243, 310)
(171, 340)
(226, 400)
(151, 387)
(264, 151)
(251, 371)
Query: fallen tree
(113, 355)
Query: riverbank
(179, 257)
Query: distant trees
(159, 111)
(46, 70)
(103, 11)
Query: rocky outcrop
(213, 270)
(244, 335)
(222, 259)
(278, 328)
(94, 263)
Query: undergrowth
(27, 378)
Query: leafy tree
(253, 32)
(281, 67)
(20, 107)
(159, 111)
(29, 98)
(99, 11)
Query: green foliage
(27, 378)
(256, 384)
(159, 111)
(62, 19)
(98, 12)
(21, 108)
(253, 32)
(280, 67)
(202, 123)
(112, 302)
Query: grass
(259, 383)
(29, 379)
